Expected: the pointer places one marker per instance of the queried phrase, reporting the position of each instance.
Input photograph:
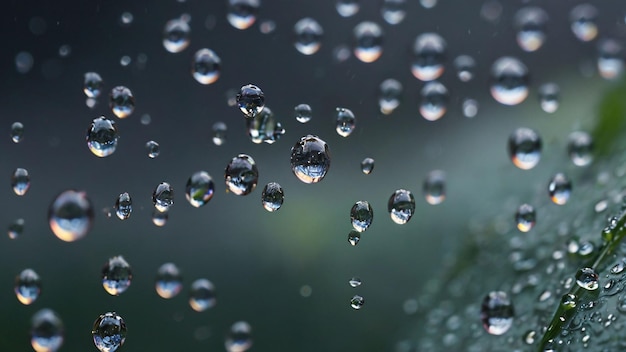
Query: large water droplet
(122, 101)
(429, 52)
(242, 13)
(153, 149)
(559, 189)
(465, 66)
(434, 101)
(435, 187)
(102, 137)
(390, 91)
(123, 206)
(368, 38)
(250, 100)
(202, 295)
(393, 11)
(20, 181)
(524, 148)
(219, 133)
(497, 313)
(199, 189)
(357, 302)
(163, 197)
(241, 175)
(361, 215)
(610, 59)
(401, 206)
(346, 122)
(583, 22)
(16, 229)
(264, 128)
(205, 66)
(239, 337)
(310, 159)
(587, 278)
(17, 132)
(176, 35)
(303, 113)
(46, 334)
(354, 237)
(530, 23)
(347, 8)
(27, 286)
(272, 196)
(549, 97)
(168, 281)
(580, 148)
(509, 81)
(92, 86)
(116, 275)
(308, 36)
(109, 332)
(367, 165)
(70, 215)
(525, 217)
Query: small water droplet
(16, 229)
(27, 286)
(163, 197)
(509, 81)
(367, 165)
(465, 66)
(20, 181)
(559, 189)
(583, 22)
(126, 19)
(250, 100)
(242, 13)
(354, 237)
(116, 276)
(145, 119)
(618, 268)
(109, 332)
(202, 295)
(176, 35)
(497, 313)
(17, 132)
(125, 60)
(580, 148)
(361, 215)
(434, 101)
(357, 302)
(267, 26)
(122, 101)
(168, 281)
(205, 66)
(153, 149)
(525, 148)
(239, 337)
(219, 133)
(310, 159)
(434, 187)
(569, 301)
(587, 278)
(390, 91)
(199, 189)
(530, 23)
(525, 217)
(303, 113)
(102, 137)
(347, 8)
(401, 206)
(346, 122)
(47, 331)
(65, 50)
(355, 282)
(393, 11)
(264, 128)
(241, 175)
(308, 34)
(272, 197)
(123, 206)
(70, 215)
(530, 337)
(93, 84)
(368, 38)
(429, 52)
(470, 108)
(549, 97)
(610, 59)
(159, 218)
(24, 62)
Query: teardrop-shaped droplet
(390, 92)
(361, 215)
(116, 276)
(202, 295)
(354, 237)
(27, 286)
(17, 132)
(368, 38)
(102, 137)
(205, 66)
(242, 13)
(559, 189)
(264, 128)
(239, 337)
(367, 165)
(587, 278)
(250, 100)
(525, 217)
(580, 148)
(168, 281)
(435, 187)
(92, 86)
(401, 206)
(549, 97)
(47, 331)
(524, 148)
(163, 197)
(346, 122)
(310, 159)
(583, 22)
(199, 189)
(429, 52)
(153, 149)
(272, 197)
(20, 181)
(70, 215)
(122, 101)
(434, 102)
(530, 23)
(497, 313)
(176, 35)
(308, 34)
(123, 206)
(109, 332)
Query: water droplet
(429, 52)
(239, 337)
(530, 337)
(116, 276)
(346, 122)
(435, 187)
(303, 113)
(123, 206)
(354, 237)
(355, 282)
(93, 85)
(65, 50)
(347, 8)
(367, 165)
(205, 66)
(27, 286)
(17, 132)
(434, 101)
(531, 25)
(20, 181)
(393, 11)
(368, 38)
(242, 13)
(361, 215)
(125, 60)
(583, 22)
(580, 148)
(559, 189)
(250, 100)
(610, 60)
(587, 278)
(310, 159)
(390, 91)
(176, 35)
(618, 268)
(202, 295)
(525, 148)
(308, 36)
(509, 81)
(549, 97)
(46, 334)
(497, 313)
(264, 128)
(401, 206)
(102, 137)
(70, 215)
(272, 196)
(169, 281)
(159, 218)
(569, 301)
(241, 175)
(109, 332)
(153, 149)
(16, 229)
(126, 18)
(24, 62)
(341, 53)
(465, 66)
(199, 189)
(428, 4)
(122, 101)
(357, 302)
(163, 197)
(470, 108)
(219, 133)
(525, 217)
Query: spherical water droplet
(310, 159)
(525, 217)
(250, 100)
(70, 215)
(367, 165)
(355, 282)
(390, 91)
(205, 66)
(465, 66)
(27, 286)
(470, 108)
(46, 334)
(123, 206)
(145, 119)
(65, 50)
(569, 301)
(587, 278)
(354, 237)
(435, 187)
(347, 8)
(267, 26)
(242, 13)
(368, 41)
(163, 197)
(434, 101)
(531, 25)
(549, 97)
(357, 302)
(308, 36)
(116, 276)
(428, 4)
(16, 229)
(122, 101)
(159, 218)
(303, 113)
(361, 215)
(429, 53)
(93, 85)
(202, 295)
(126, 18)
(153, 149)
(176, 35)
(17, 132)
(559, 189)
(401, 206)
(109, 332)
(20, 181)
(239, 337)
(525, 148)
(583, 22)
(102, 137)
(169, 281)
(219, 133)
(241, 175)
(497, 313)
(393, 11)
(346, 122)
(272, 197)
(264, 128)
(199, 189)
(24, 62)
(610, 60)
(509, 81)
(125, 60)
(580, 148)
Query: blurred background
(285, 273)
